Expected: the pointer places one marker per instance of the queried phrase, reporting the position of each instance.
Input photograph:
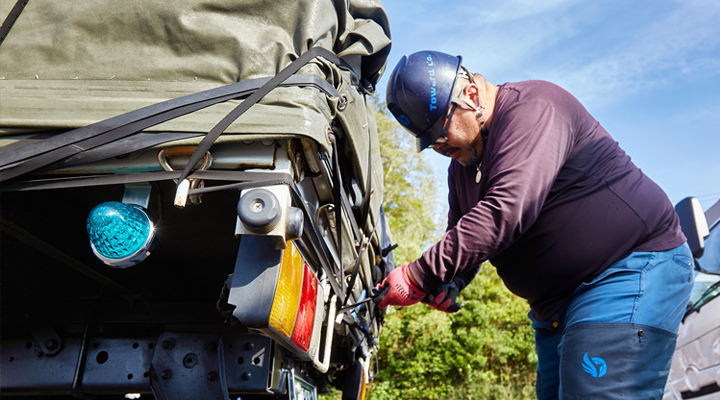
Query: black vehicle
(191, 198)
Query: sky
(647, 70)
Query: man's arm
(529, 142)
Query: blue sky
(649, 71)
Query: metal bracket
(138, 194)
(48, 340)
(188, 366)
(248, 363)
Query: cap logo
(431, 75)
(403, 119)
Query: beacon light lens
(121, 235)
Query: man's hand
(397, 290)
(444, 298)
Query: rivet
(246, 376)
(168, 344)
(641, 333)
(342, 104)
(249, 346)
(212, 376)
(167, 374)
(555, 324)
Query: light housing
(121, 235)
(276, 292)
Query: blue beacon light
(121, 235)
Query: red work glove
(397, 290)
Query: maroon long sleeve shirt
(559, 201)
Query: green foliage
(486, 350)
(411, 203)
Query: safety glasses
(443, 136)
(464, 73)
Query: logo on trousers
(595, 366)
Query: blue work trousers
(615, 338)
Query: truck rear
(191, 200)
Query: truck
(695, 368)
(190, 198)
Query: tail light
(287, 292)
(275, 291)
(305, 321)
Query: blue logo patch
(597, 367)
(403, 119)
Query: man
(541, 190)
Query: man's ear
(473, 92)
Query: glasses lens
(443, 137)
(438, 141)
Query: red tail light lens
(302, 334)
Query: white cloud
(682, 43)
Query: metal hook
(170, 152)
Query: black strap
(11, 18)
(364, 213)
(365, 208)
(138, 141)
(111, 179)
(218, 129)
(337, 195)
(36, 154)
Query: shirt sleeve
(529, 141)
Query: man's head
(438, 100)
(419, 93)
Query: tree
(411, 202)
(485, 351)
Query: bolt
(249, 346)
(168, 344)
(51, 344)
(257, 206)
(167, 374)
(212, 376)
(246, 376)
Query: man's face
(464, 142)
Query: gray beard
(474, 161)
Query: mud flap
(354, 385)
(615, 361)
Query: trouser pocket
(615, 361)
